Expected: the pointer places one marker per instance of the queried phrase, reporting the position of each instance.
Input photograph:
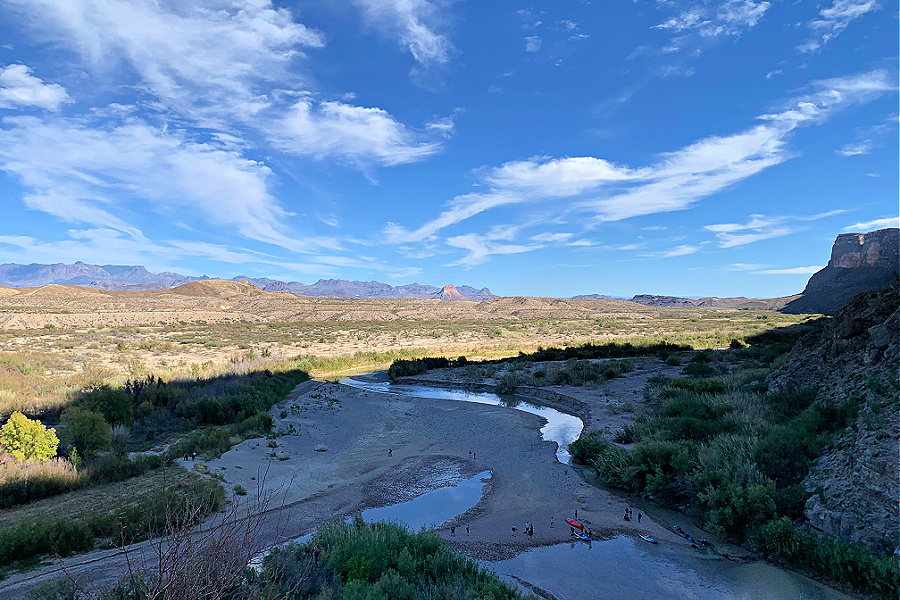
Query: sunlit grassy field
(41, 370)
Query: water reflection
(432, 508)
(630, 569)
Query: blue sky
(620, 147)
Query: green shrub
(28, 439)
(585, 448)
(507, 384)
(382, 561)
(86, 430)
(114, 404)
(829, 557)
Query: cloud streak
(606, 191)
(832, 20)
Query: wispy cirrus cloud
(605, 191)
(714, 19)
(414, 23)
(790, 271)
(481, 247)
(865, 226)
(680, 250)
(85, 173)
(832, 20)
(18, 88)
(232, 67)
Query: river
(622, 568)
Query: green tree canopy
(28, 439)
(86, 430)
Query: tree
(86, 430)
(28, 439)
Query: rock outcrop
(853, 360)
(449, 292)
(860, 262)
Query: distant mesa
(449, 292)
(138, 278)
(860, 262)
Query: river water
(561, 428)
(623, 568)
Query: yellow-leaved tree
(28, 439)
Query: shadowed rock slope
(853, 360)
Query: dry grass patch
(99, 499)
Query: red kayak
(575, 524)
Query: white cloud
(831, 21)
(747, 267)
(18, 87)
(79, 172)
(682, 250)
(201, 58)
(225, 66)
(855, 149)
(481, 247)
(551, 237)
(560, 177)
(354, 134)
(791, 271)
(414, 23)
(732, 240)
(758, 228)
(606, 191)
(731, 17)
(461, 208)
(533, 43)
(866, 226)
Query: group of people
(453, 530)
(630, 515)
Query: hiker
(514, 531)
(551, 521)
(194, 456)
(452, 531)
(473, 456)
(639, 516)
(467, 529)
(573, 530)
(590, 533)
(390, 451)
(576, 513)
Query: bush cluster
(381, 561)
(177, 506)
(587, 373)
(735, 458)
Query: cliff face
(854, 359)
(860, 262)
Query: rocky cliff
(853, 360)
(860, 262)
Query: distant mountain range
(123, 277)
(860, 262)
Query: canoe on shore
(575, 524)
(648, 538)
(582, 536)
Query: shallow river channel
(623, 568)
